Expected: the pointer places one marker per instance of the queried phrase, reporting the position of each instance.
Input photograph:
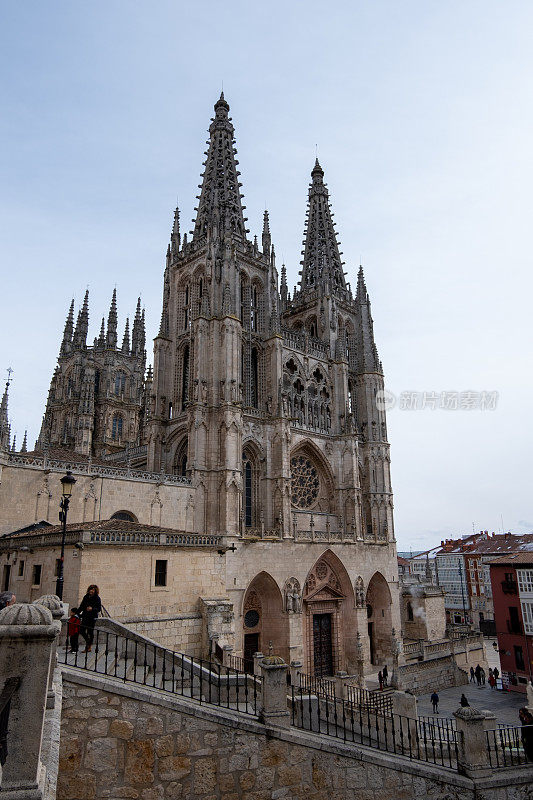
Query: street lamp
(67, 482)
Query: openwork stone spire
(66, 344)
(82, 324)
(5, 427)
(220, 197)
(112, 322)
(321, 263)
(367, 352)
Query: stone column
(55, 606)
(473, 751)
(27, 633)
(274, 709)
(258, 658)
(359, 662)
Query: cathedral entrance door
(251, 646)
(322, 645)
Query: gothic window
(254, 310)
(116, 429)
(313, 330)
(170, 410)
(305, 482)
(127, 516)
(180, 459)
(254, 380)
(185, 378)
(186, 308)
(120, 383)
(247, 494)
(250, 489)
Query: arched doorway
(264, 621)
(378, 606)
(330, 624)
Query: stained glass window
(305, 482)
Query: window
(247, 494)
(525, 580)
(116, 429)
(160, 577)
(186, 308)
(36, 575)
(519, 657)
(127, 516)
(170, 410)
(185, 379)
(21, 569)
(5, 580)
(254, 394)
(120, 383)
(527, 614)
(254, 310)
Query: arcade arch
(378, 606)
(263, 620)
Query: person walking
(435, 702)
(88, 610)
(464, 702)
(380, 679)
(477, 672)
(472, 675)
(482, 676)
(73, 630)
(496, 673)
(526, 733)
(385, 676)
(492, 681)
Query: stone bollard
(27, 633)
(227, 650)
(340, 685)
(295, 669)
(258, 657)
(274, 692)
(55, 606)
(472, 746)
(404, 705)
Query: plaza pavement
(504, 705)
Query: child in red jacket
(73, 630)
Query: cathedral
(261, 415)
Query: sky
(421, 113)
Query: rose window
(305, 483)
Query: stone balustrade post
(340, 685)
(258, 658)
(404, 705)
(295, 669)
(27, 633)
(274, 709)
(56, 608)
(227, 651)
(472, 746)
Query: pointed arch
(312, 480)
(264, 620)
(378, 605)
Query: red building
(512, 590)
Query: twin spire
(75, 338)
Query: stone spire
(367, 353)
(126, 339)
(112, 322)
(5, 428)
(66, 344)
(267, 240)
(321, 265)
(175, 238)
(24, 448)
(137, 333)
(220, 198)
(82, 325)
(101, 338)
(283, 287)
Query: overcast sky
(422, 113)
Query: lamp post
(67, 482)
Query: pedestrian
(7, 599)
(472, 675)
(435, 702)
(385, 676)
(73, 630)
(88, 610)
(464, 702)
(492, 681)
(490, 672)
(496, 673)
(477, 672)
(380, 679)
(482, 676)
(526, 733)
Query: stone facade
(263, 426)
(126, 742)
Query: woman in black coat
(88, 609)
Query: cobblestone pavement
(504, 705)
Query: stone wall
(128, 742)
(182, 632)
(424, 677)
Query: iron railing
(320, 686)
(375, 701)
(148, 664)
(428, 728)
(394, 734)
(510, 746)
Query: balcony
(509, 587)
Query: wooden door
(251, 646)
(322, 645)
